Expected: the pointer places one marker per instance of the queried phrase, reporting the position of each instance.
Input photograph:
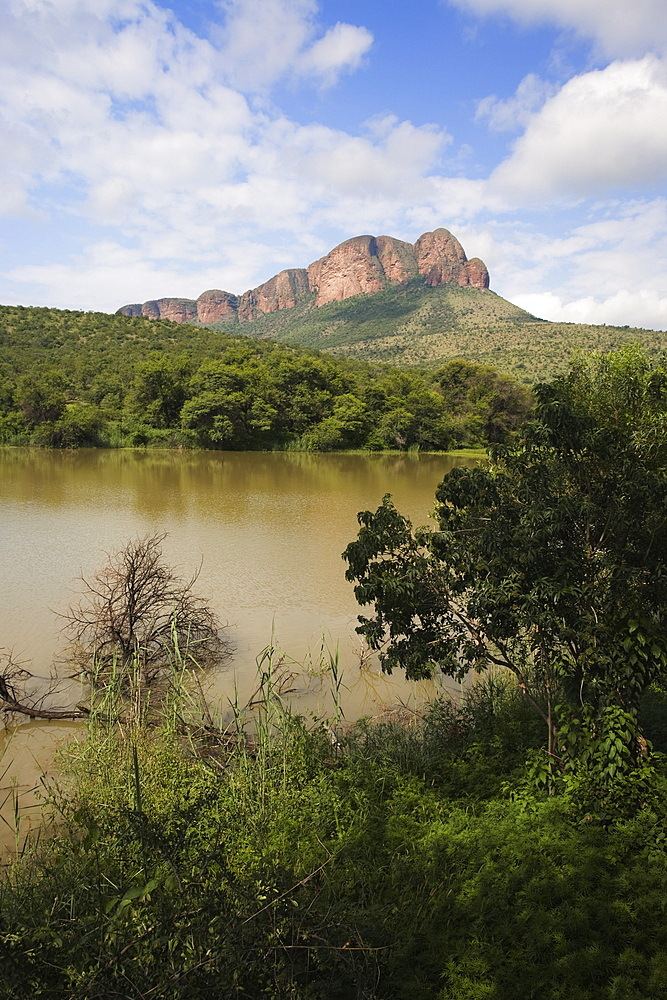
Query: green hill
(70, 378)
(413, 325)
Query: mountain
(379, 299)
(361, 265)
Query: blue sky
(154, 149)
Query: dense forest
(70, 379)
(509, 843)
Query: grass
(412, 325)
(194, 862)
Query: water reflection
(267, 528)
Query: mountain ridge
(384, 301)
(360, 265)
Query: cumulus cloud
(161, 153)
(628, 307)
(110, 275)
(264, 40)
(602, 271)
(342, 48)
(514, 113)
(618, 27)
(603, 130)
(135, 113)
(163, 149)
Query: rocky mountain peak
(361, 265)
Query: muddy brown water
(267, 530)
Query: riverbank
(414, 861)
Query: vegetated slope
(71, 379)
(84, 342)
(413, 325)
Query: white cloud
(639, 308)
(108, 275)
(207, 191)
(603, 130)
(511, 114)
(618, 27)
(378, 165)
(264, 40)
(610, 270)
(342, 48)
(120, 121)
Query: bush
(286, 866)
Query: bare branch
(13, 702)
(137, 608)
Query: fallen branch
(12, 704)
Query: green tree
(159, 389)
(551, 562)
(304, 387)
(489, 406)
(407, 412)
(345, 427)
(41, 396)
(79, 426)
(232, 404)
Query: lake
(265, 529)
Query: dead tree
(137, 610)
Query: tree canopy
(551, 561)
(82, 379)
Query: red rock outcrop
(215, 306)
(177, 310)
(437, 247)
(150, 310)
(351, 268)
(135, 309)
(397, 259)
(283, 291)
(363, 264)
(478, 274)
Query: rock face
(361, 265)
(477, 273)
(214, 306)
(283, 291)
(397, 259)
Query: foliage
(41, 397)
(159, 389)
(498, 403)
(388, 866)
(551, 563)
(82, 379)
(412, 325)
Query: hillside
(425, 327)
(362, 264)
(69, 379)
(381, 300)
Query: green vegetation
(412, 325)
(85, 379)
(550, 562)
(409, 862)
(510, 843)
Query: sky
(157, 149)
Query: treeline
(71, 379)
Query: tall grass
(261, 858)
